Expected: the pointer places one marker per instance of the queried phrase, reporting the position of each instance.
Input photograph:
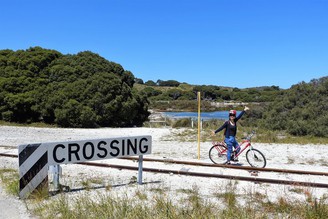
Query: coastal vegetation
(85, 90)
(297, 111)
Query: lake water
(222, 115)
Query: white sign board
(87, 150)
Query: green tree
(169, 83)
(150, 83)
(82, 90)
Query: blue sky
(235, 43)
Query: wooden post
(198, 97)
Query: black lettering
(112, 146)
(102, 149)
(55, 151)
(143, 148)
(123, 149)
(85, 152)
(133, 147)
(75, 151)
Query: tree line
(86, 90)
(182, 91)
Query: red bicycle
(255, 158)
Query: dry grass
(154, 202)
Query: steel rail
(198, 174)
(301, 172)
(8, 155)
(193, 163)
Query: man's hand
(246, 108)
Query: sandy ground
(165, 145)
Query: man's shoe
(228, 163)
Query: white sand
(165, 145)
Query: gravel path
(288, 156)
(12, 207)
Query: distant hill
(186, 92)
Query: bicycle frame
(243, 145)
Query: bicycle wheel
(218, 154)
(255, 158)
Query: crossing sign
(34, 159)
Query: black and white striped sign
(34, 159)
(33, 168)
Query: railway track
(202, 174)
(301, 172)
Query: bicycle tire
(217, 156)
(255, 158)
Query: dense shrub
(82, 90)
(302, 110)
